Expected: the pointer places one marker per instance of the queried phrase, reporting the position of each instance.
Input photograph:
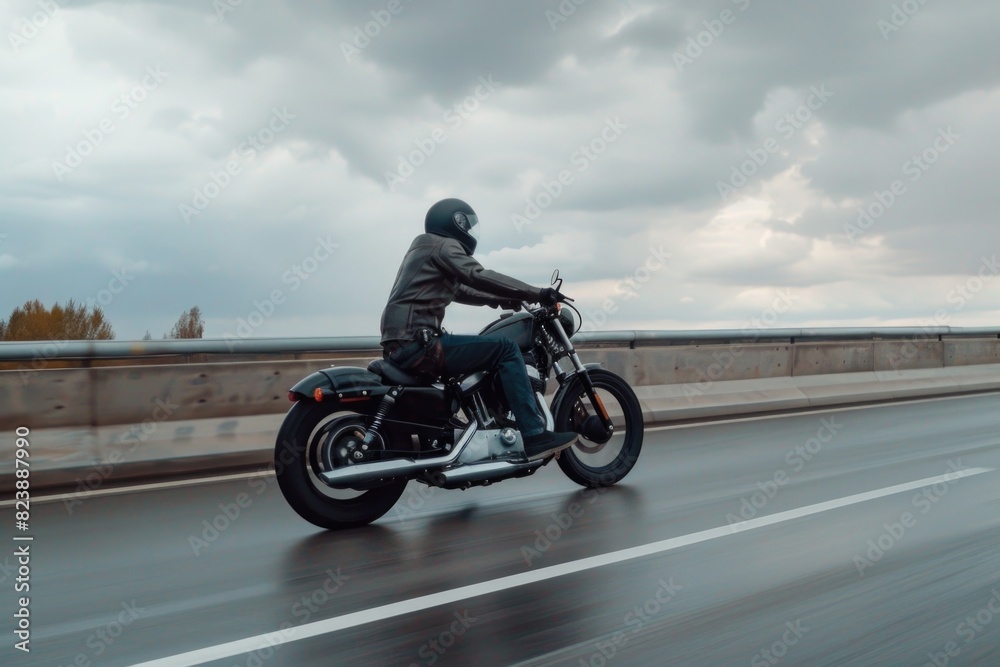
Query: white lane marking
(804, 412)
(86, 495)
(271, 640)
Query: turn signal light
(318, 394)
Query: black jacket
(435, 272)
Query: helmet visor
(474, 226)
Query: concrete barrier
(121, 395)
(100, 425)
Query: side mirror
(555, 277)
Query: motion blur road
(909, 575)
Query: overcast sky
(686, 165)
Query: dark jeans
(468, 354)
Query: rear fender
(356, 388)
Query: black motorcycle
(354, 437)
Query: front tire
(592, 463)
(299, 457)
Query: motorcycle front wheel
(595, 461)
(315, 438)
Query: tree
(33, 321)
(147, 336)
(189, 325)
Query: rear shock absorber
(384, 407)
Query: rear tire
(297, 464)
(591, 463)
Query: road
(864, 536)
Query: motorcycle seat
(392, 374)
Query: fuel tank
(518, 327)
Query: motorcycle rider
(437, 270)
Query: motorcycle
(355, 437)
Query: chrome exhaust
(370, 472)
(483, 471)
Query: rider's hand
(550, 296)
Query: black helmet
(456, 220)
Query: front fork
(581, 372)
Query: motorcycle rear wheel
(306, 446)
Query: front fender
(345, 384)
(570, 389)
(565, 378)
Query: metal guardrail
(110, 349)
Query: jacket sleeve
(470, 273)
(473, 297)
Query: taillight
(292, 397)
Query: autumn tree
(189, 325)
(33, 321)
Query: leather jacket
(435, 272)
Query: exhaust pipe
(483, 471)
(370, 472)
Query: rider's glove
(550, 296)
